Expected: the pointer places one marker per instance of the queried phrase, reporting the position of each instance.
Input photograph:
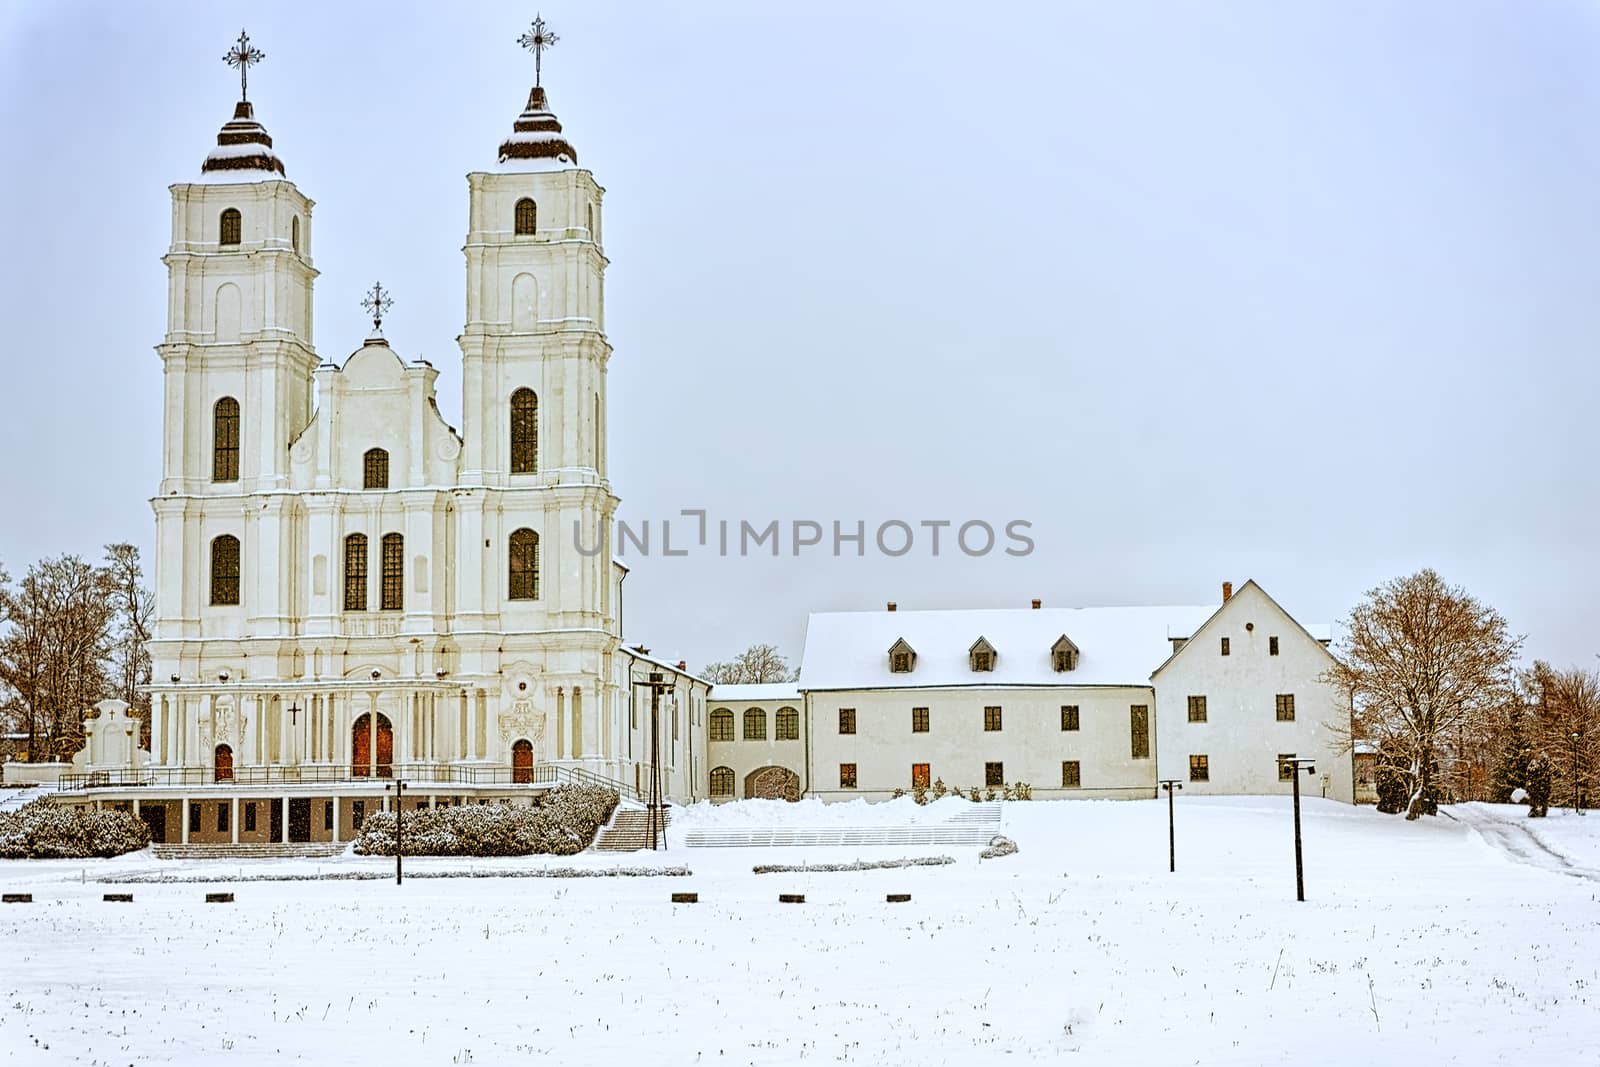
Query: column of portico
(561, 723)
(480, 733)
(233, 820)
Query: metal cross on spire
(536, 40)
(241, 55)
(376, 302)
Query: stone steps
(629, 831)
(313, 850)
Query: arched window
(527, 217)
(788, 724)
(393, 593)
(590, 219)
(294, 233)
(722, 725)
(225, 570)
(522, 763)
(722, 781)
(222, 764)
(355, 572)
(375, 469)
(230, 227)
(524, 565)
(524, 432)
(755, 725)
(225, 440)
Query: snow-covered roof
(536, 141)
(755, 693)
(1117, 646)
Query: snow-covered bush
(42, 830)
(564, 822)
(999, 845)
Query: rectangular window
(1286, 707)
(250, 817)
(847, 776)
(1272, 646)
(1069, 716)
(788, 724)
(355, 572)
(394, 573)
(1139, 728)
(847, 724)
(194, 818)
(991, 718)
(755, 725)
(921, 776)
(721, 725)
(224, 817)
(1285, 770)
(1069, 774)
(327, 815)
(1197, 709)
(919, 720)
(1224, 646)
(994, 774)
(1199, 768)
(900, 663)
(358, 813)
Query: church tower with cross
(238, 363)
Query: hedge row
(42, 830)
(565, 821)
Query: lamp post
(1295, 765)
(399, 787)
(653, 804)
(1577, 800)
(1171, 784)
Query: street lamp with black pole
(1577, 799)
(399, 787)
(653, 804)
(1290, 766)
(1170, 784)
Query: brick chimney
(1037, 603)
(683, 665)
(1227, 592)
(892, 606)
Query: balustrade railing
(543, 774)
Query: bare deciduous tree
(755, 665)
(1567, 729)
(54, 652)
(130, 652)
(1422, 662)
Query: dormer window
(982, 655)
(902, 657)
(1064, 655)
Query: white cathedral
(349, 591)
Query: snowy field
(1463, 939)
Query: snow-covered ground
(1433, 941)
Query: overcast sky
(1305, 293)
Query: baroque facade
(348, 589)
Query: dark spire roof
(242, 145)
(537, 134)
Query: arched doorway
(222, 764)
(522, 763)
(365, 759)
(772, 783)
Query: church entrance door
(361, 747)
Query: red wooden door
(522, 763)
(223, 767)
(385, 748)
(361, 747)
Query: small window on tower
(294, 233)
(230, 227)
(527, 218)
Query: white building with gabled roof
(1072, 702)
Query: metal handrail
(420, 773)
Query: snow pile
(812, 813)
(1000, 846)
